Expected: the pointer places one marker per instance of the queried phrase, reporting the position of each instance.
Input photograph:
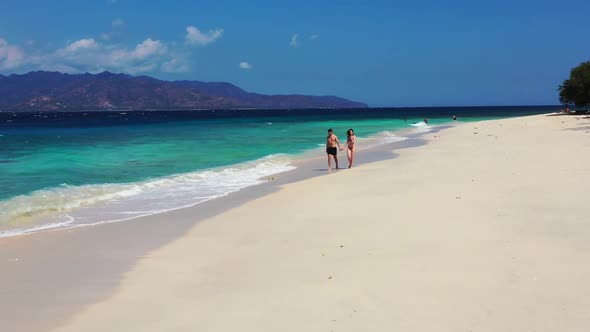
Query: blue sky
(385, 53)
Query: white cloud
(105, 53)
(10, 56)
(294, 40)
(194, 36)
(245, 65)
(146, 56)
(175, 65)
(92, 55)
(87, 55)
(117, 22)
(82, 44)
(148, 48)
(314, 37)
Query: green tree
(576, 89)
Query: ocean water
(66, 169)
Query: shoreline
(35, 254)
(299, 160)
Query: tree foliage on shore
(576, 89)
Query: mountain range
(54, 91)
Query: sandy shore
(485, 228)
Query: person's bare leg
(336, 160)
(349, 155)
(352, 153)
(329, 163)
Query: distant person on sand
(331, 150)
(350, 145)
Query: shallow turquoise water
(50, 157)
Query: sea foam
(421, 127)
(70, 206)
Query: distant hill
(53, 91)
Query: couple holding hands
(331, 143)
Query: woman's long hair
(349, 132)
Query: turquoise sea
(64, 169)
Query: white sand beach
(484, 228)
